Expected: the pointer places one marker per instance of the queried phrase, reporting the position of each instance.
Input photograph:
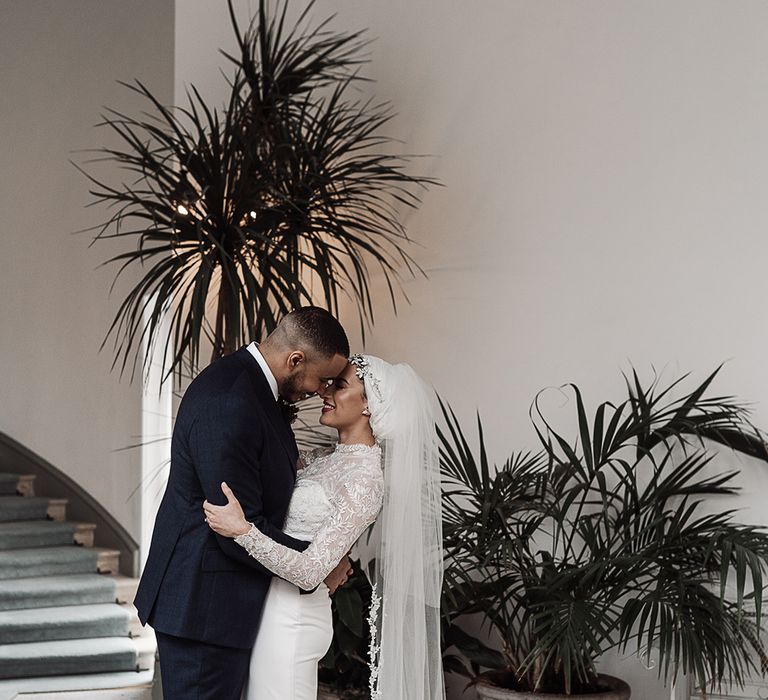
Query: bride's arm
(358, 505)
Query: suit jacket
(198, 585)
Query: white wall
(605, 166)
(604, 163)
(60, 63)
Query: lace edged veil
(403, 554)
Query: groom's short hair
(315, 329)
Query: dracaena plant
(285, 196)
(601, 541)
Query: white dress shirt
(253, 348)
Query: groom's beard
(292, 390)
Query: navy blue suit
(197, 587)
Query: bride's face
(344, 401)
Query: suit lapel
(271, 409)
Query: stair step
(70, 622)
(64, 657)
(108, 561)
(17, 484)
(18, 508)
(57, 509)
(8, 484)
(35, 533)
(123, 685)
(142, 692)
(84, 534)
(48, 561)
(126, 588)
(56, 591)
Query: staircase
(68, 628)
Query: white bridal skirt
(295, 633)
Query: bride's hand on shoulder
(228, 520)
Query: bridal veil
(403, 553)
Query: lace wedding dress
(338, 494)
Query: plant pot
(326, 693)
(615, 689)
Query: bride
(384, 469)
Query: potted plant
(235, 215)
(601, 542)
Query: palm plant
(283, 198)
(602, 543)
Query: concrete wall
(60, 63)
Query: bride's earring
(366, 412)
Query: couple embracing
(252, 537)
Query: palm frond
(601, 541)
(288, 195)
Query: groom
(202, 593)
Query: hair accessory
(363, 372)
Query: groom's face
(307, 376)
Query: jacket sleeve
(226, 440)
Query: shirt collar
(253, 348)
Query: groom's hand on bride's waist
(339, 576)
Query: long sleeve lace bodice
(337, 496)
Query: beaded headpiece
(363, 371)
